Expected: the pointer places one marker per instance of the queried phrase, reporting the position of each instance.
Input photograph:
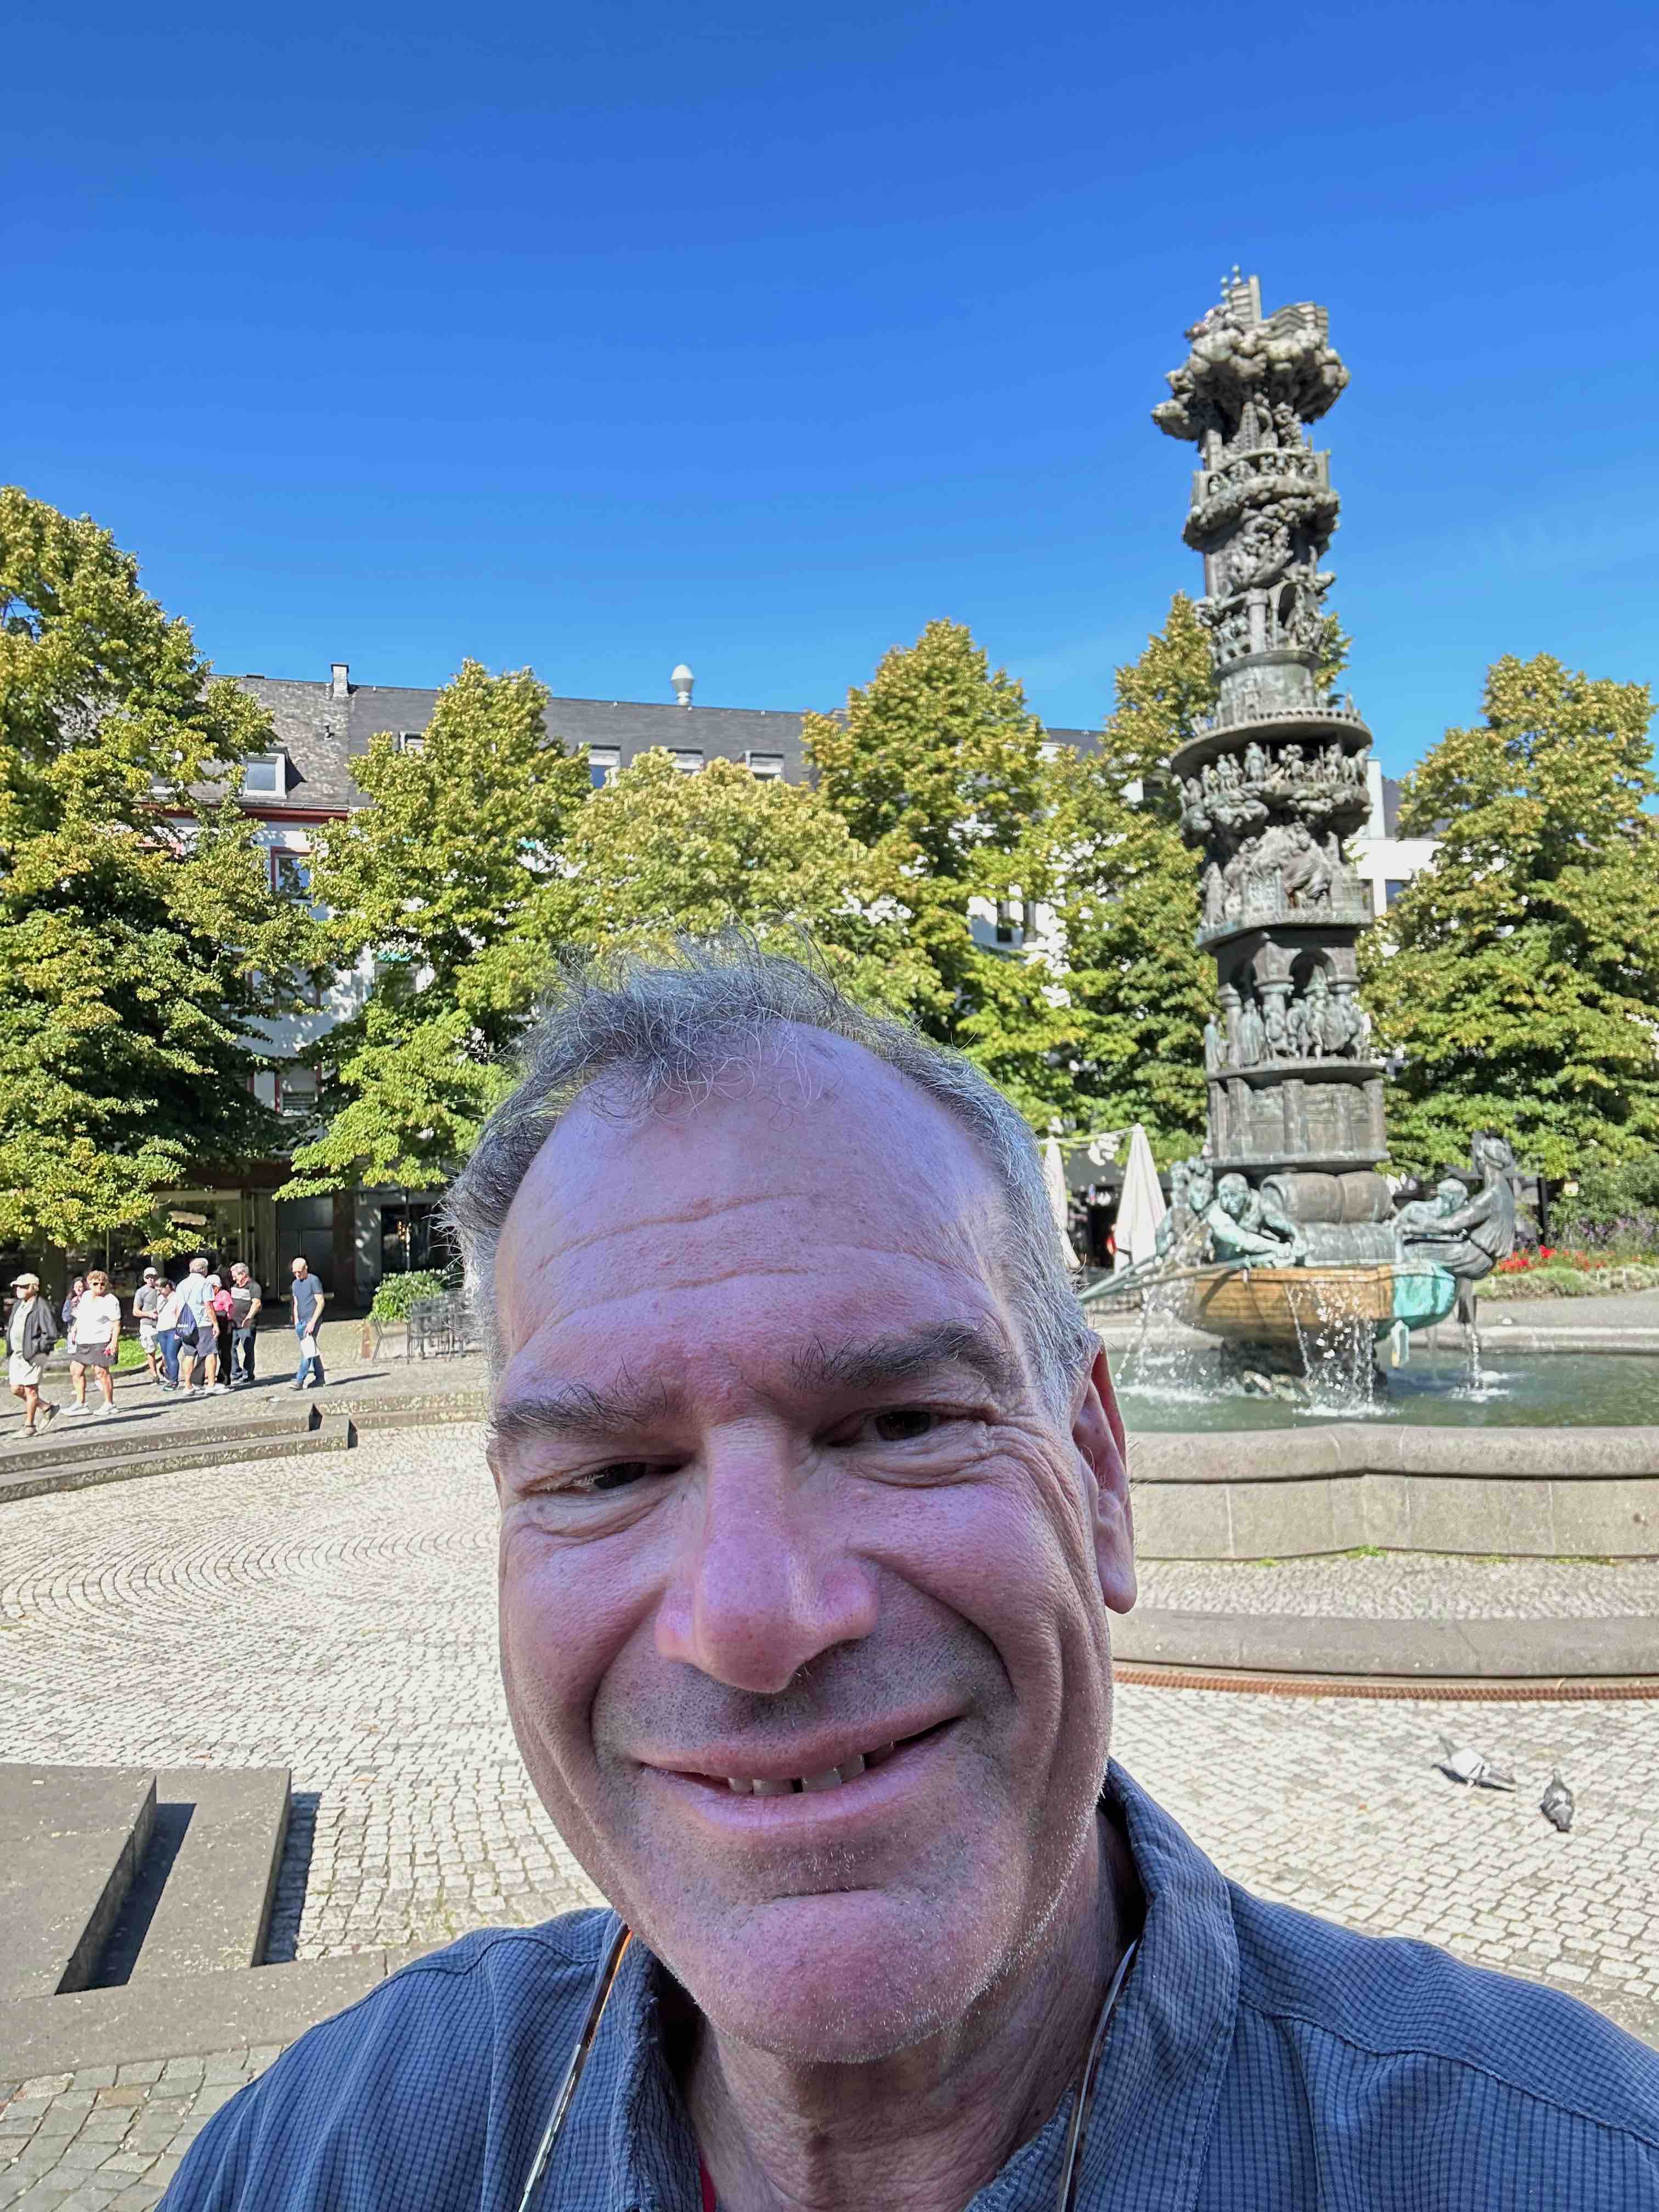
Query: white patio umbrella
(1140, 1205)
(1054, 1174)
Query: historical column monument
(1272, 786)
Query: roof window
(265, 776)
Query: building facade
(321, 729)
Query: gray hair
(674, 1030)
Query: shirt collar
(1153, 2108)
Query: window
(291, 873)
(687, 762)
(310, 989)
(411, 741)
(768, 766)
(603, 761)
(1392, 890)
(299, 1089)
(264, 1081)
(265, 776)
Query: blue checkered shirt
(1260, 2061)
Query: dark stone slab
(202, 2013)
(71, 1841)
(215, 1908)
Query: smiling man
(813, 1515)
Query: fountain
(1284, 1233)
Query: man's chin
(836, 1979)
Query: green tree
(660, 853)
(448, 882)
(1519, 975)
(140, 944)
(1106, 1026)
(936, 771)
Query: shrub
(1615, 1208)
(395, 1294)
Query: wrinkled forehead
(815, 1150)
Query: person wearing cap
(31, 1335)
(145, 1306)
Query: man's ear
(1097, 1432)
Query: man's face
(777, 1497)
(299, 1269)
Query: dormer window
(602, 763)
(687, 761)
(265, 776)
(411, 741)
(768, 766)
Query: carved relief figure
(1229, 1239)
(1213, 1049)
(1304, 871)
(1252, 1035)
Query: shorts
(91, 1355)
(23, 1374)
(147, 1335)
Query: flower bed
(1547, 1274)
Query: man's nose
(765, 1581)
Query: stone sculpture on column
(1276, 780)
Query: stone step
(70, 1439)
(208, 1446)
(201, 1902)
(71, 1839)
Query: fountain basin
(1286, 1307)
(1516, 1493)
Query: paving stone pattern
(110, 2137)
(335, 1615)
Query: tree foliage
(1105, 1027)
(446, 883)
(137, 959)
(936, 771)
(660, 854)
(1519, 974)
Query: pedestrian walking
(94, 1342)
(245, 1303)
(308, 1301)
(77, 1292)
(146, 1306)
(31, 1336)
(167, 1317)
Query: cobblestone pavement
(1408, 1587)
(335, 1615)
(110, 2137)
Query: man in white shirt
(94, 1341)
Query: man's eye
(617, 1476)
(901, 1425)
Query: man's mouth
(830, 1777)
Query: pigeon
(1462, 1765)
(1556, 1804)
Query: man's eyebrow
(881, 1362)
(577, 1409)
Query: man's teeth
(831, 1778)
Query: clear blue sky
(755, 336)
